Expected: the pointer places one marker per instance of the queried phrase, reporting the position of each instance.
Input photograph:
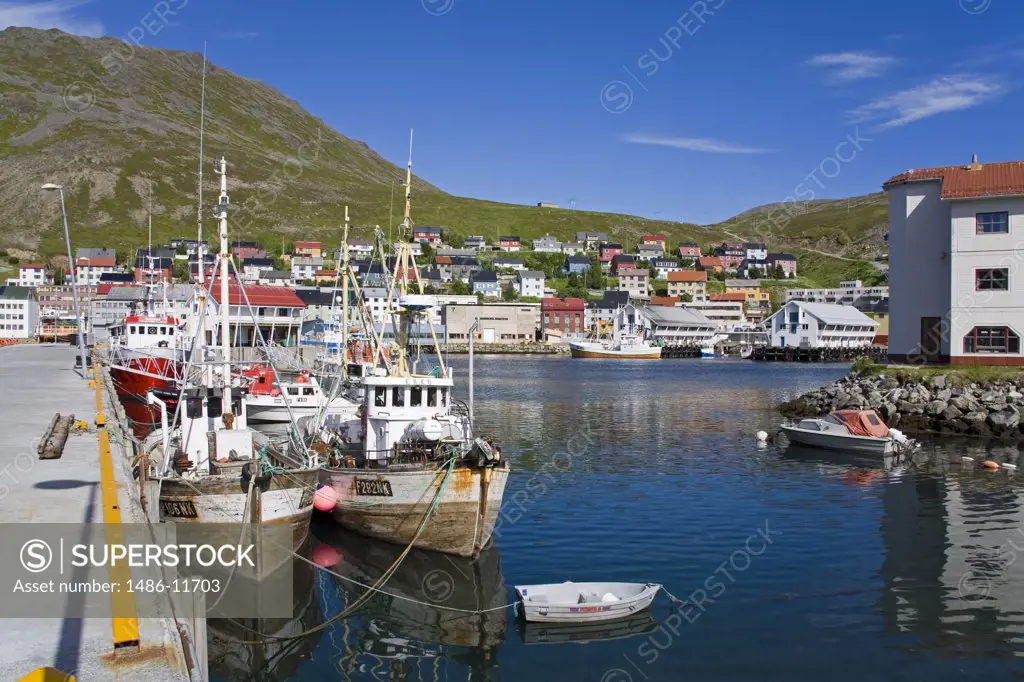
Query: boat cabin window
(431, 397)
(131, 329)
(415, 396)
(398, 396)
(307, 390)
(380, 396)
(293, 390)
(444, 397)
(194, 408)
(809, 424)
(834, 420)
(873, 420)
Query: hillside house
(635, 281)
(33, 275)
(485, 282)
(786, 261)
(692, 283)
(427, 235)
(689, 251)
(508, 263)
(307, 249)
(530, 283)
(547, 244)
(577, 265)
(509, 244)
(573, 248)
(710, 264)
(591, 240)
(605, 252)
(565, 316)
(663, 266)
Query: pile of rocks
(929, 405)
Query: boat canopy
(862, 422)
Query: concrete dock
(35, 382)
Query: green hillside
(105, 122)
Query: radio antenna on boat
(404, 230)
(199, 212)
(225, 306)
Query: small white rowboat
(571, 602)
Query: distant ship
(626, 342)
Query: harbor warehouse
(499, 322)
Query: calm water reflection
(649, 471)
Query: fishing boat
(571, 602)
(850, 430)
(273, 401)
(626, 341)
(209, 466)
(409, 469)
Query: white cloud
(948, 93)
(852, 66)
(695, 144)
(50, 14)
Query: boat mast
(344, 297)
(407, 218)
(199, 212)
(225, 307)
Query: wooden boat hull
(221, 499)
(390, 505)
(831, 441)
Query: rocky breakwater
(936, 404)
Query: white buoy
(1010, 467)
(762, 436)
(965, 459)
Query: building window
(992, 340)
(992, 279)
(993, 223)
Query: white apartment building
(305, 268)
(530, 283)
(726, 315)
(673, 326)
(955, 238)
(32, 275)
(820, 325)
(850, 292)
(19, 312)
(376, 300)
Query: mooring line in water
(448, 468)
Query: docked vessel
(408, 468)
(571, 602)
(281, 401)
(208, 466)
(626, 342)
(850, 430)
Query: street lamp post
(71, 273)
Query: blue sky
(685, 110)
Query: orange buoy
(990, 465)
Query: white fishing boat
(571, 602)
(850, 430)
(208, 466)
(273, 401)
(626, 342)
(408, 469)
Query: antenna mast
(199, 212)
(225, 304)
(406, 226)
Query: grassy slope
(290, 174)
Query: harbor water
(792, 564)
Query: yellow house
(750, 288)
(692, 283)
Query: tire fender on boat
(263, 482)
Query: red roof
(625, 270)
(260, 294)
(729, 296)
(688, 276)
(664, 300)
(442, 260)
(96, 262)
(965, 182)
(710, 262)
(653, 238)
(307, 245)
(574, 304)
(326, 273)
(32, 266)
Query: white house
(955, 238)
(376, 300)
(635, 281)
(19, 312)
(672, 326)
(547, 244)
(32, 275)
(850, 292)
(572, 248)
(756, 251)
(726, 315)
(664, 266)
(358, 248)
(501, 263)
(530, 283)
(820, 325)
(305, 268)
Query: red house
(689, 250)
(606, 252)
(509, 243)
(655, 239)
(563, 315)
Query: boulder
(944, 395)
(951, 413)
(888, 410)
(875, 399)
(1005, 419)
(906, 407)
(939, 381)
(992, 398)
(977, 417)
(935, 407)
